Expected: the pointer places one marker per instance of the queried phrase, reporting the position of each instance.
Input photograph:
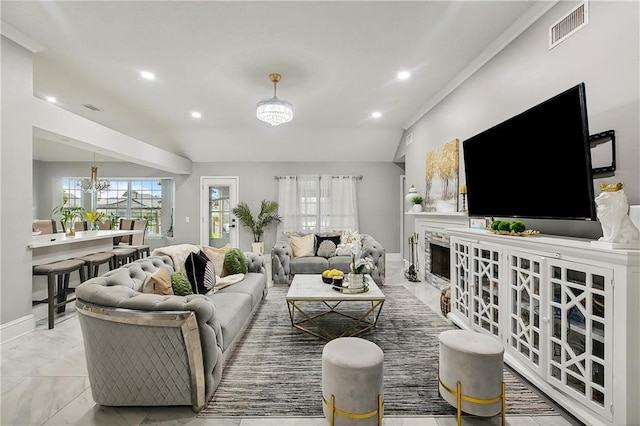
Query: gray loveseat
(148, 349)
(284, 266)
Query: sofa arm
(280, 262)
(255, 262)
(142, 311)
(373, 249)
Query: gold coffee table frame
(306, 289)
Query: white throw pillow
(303, 246)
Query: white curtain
(312, 203)
(342, 210)
(288, 204)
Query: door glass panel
(219, 216)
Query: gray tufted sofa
(147, 349)
(284, 266)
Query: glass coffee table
(309, 300)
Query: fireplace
(440, 261)
(433, 245)
(436, 258)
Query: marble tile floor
(44, 382)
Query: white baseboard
(17, 328)
(394, 257)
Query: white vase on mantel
(417, 208)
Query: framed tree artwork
(442, 178)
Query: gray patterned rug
(276, 370)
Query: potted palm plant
(267, 216)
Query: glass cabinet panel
(579, 350)
(524, 307)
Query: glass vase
(356, 280)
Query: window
(149, 199)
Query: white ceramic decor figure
(612, 208)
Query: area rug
(276, 370)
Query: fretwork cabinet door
(580, 357)
(485, 288)
(525, 338)
(460, 282)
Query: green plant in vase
(67, 215)
(417, 203)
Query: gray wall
(378, 192)
(15, 182)
(604, 55)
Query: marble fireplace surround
(431, 229)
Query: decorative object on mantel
(409, 197)
(273, 110)
(442, 178)
(516, 228)
(617, 228)
(463, 192)
(417, 203)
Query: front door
(217, 224)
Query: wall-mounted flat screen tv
(536, 164)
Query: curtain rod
(359, 177)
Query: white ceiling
(338, 61)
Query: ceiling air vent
(569, 24)
(92, 107)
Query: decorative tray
(525, 233)
(348, 290)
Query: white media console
(567, 313)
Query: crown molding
(17, 36)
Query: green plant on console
(417, 199)
(268, 215)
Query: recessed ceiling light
(403, 75)
(51, 99)
(196, 114)
(147, 75)
(376, 114)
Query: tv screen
(536, 164)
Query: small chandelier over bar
(273, 110)
(94, 185)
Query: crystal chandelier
(273, 110)
(94, 185)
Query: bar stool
(94, 260)
(122, 255)
(58, 273)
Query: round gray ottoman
(470, 372)
(352, 382)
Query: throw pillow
(303, 246)
(326, 245)
(200, 272)
(235, 262)
(217, 257)
(181, 285)
(158, 283)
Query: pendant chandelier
(94, 185)
(273, 110)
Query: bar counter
(48, 248)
